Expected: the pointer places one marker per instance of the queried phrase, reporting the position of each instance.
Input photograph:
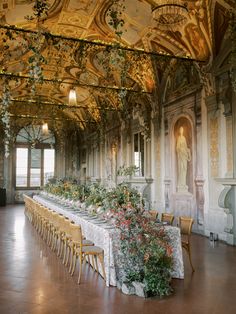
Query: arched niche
(183, 155)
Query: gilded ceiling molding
(56, 8)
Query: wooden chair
(154, 214)
(80, 251)
(70, 243)
(169, 218)
(185, 224)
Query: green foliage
(5, 115)
(158, 282)
(40, 10)
(145, 252)
(96, 195)
(115, 14)
(127, 171)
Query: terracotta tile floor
(33, 280)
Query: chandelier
(170, 13)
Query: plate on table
(69, 209)
(108, 226)
(82, 214)
(99, 221)
(92, 218)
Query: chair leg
(96, 262)
(55, 242)
(68, 256)
(62, 249)
(87, 259)
(73, 264)
(190, 258)
(80, 267)
(59, 246)
(65, 253)
(93, 264)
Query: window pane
(36, 158)
(35, 178)
(21, 166)
(139, 154)
(49, 164)
(136, 154)
(141, 166)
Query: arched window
(35, 156)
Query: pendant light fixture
(45, 129)
(72, 97)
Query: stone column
(229, 146)
(199, 181)
(200, 200)
(101, 161)
(234, 161)
(8, 175)
(148, 165)
(167, 183)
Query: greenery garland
(5, 116)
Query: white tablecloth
(106, 237)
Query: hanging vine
(115, 14)
(36, 42)
(5, 116)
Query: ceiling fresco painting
(104, 50)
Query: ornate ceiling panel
(97, 72)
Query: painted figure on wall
(197, 41)
(183, 157)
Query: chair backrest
(169, 218)
(76, 234)
(66, 225)
(60, 221)
(153, 213)
(185, 224)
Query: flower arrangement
(95, 194)
(145, 254)
(65, 188)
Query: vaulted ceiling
(96, 71)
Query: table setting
(116, 221)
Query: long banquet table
(105, 236)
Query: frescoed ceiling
(96, 72)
